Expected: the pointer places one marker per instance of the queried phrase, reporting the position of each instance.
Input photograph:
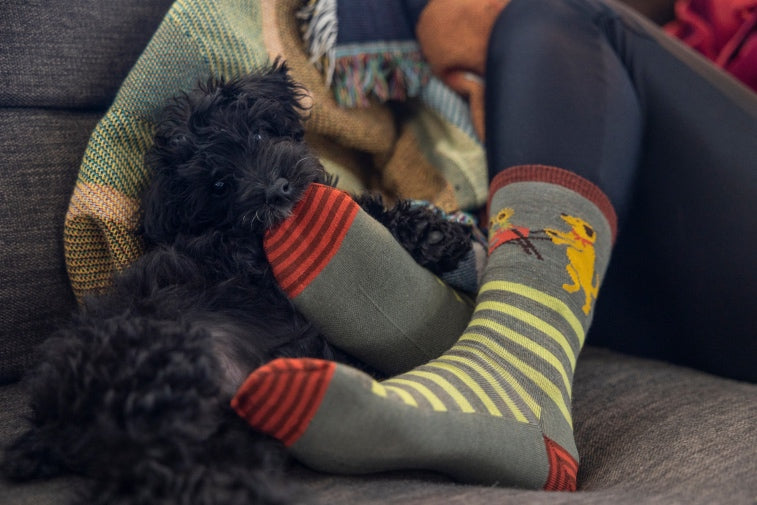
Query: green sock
(348, 275)
(496, 407)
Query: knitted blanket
(426, 149)
(393, 49)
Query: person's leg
(558, 95)
(348, 275)
(689, 242)
(601, 92)
(496, 407)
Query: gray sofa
(648, 431)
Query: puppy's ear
(161, 210)
(273, 102)
(176, 144)
(175, 140)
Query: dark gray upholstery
(648, 432)
(61, 64)
(41, 150)
(71, 54)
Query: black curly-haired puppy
(135, 392)
(230, 162)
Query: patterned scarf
(366, 49)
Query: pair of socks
(491, 404)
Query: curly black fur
(135, 392)
(433, 241)
(229, 163)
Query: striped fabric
(449, 105)
(495, 406)
(273, 405)
(196, 39)
(482, 373)
(299, 249)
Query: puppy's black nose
(279, 188)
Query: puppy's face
(229, 157)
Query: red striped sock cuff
(560, 177)
(300, 247)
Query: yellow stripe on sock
(540, 297)
(542, 382)
(435, 402)
(493, 383)
(532, 404)
(378, 389)
(404, 395)
(534, 321)
(525, 342)
(448, 388)
(458, 296)
(470, 384)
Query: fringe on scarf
(374, 70)
(319, 26)
(383, 75)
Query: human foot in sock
(496, 407)
(347, 274)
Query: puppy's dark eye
(220, 188)
(178, 140)
(258, 137)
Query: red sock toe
(281, 397)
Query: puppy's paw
(433, 241)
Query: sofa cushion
(53, 56)
(48, 492)
(41, 154)
(71, 54)
(647, 432)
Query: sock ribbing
(558, 176)
(299, 249)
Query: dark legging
(592, 87)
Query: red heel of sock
(563, 468)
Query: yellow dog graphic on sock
(580, 240)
